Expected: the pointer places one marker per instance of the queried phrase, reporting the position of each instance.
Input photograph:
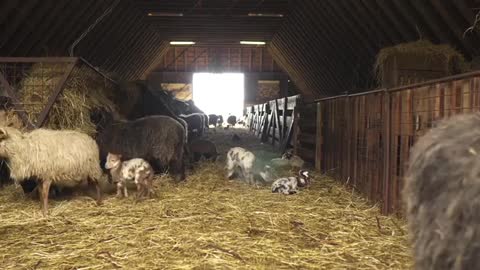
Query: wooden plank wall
(365, 139)
(228, 59)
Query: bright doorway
(219, 93)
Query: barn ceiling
(327, 47)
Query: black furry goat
(442, 195)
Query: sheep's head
(113, 161)
(304, 178)
(288, 154)
(8, 134)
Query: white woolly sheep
(64, 158)
(442, 195)
(289, 185)
(137, 170)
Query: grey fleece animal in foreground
(442, 195)
(64, 158)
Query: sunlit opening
(219, 93)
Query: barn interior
(348, 86)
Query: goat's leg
(125, 191)
(119, 190)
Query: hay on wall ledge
(84, 92)
(424, 48)
(206, 223)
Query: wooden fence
(274, 122)
(365, 139)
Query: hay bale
(268, 90)
(84, 93)
(419, 51)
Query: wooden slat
(53, 97)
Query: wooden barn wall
(122, 43)
(364, 140)
(225, 59)
(329, 47)
(156, 78)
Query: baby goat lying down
(134, 170)
(289, 185)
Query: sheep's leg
(99, 193)
(95, 183)
(178, 168)
(45, 188)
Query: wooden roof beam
(406, 33)
(435, 23)
(44, 29)
(457, 28)
(14, 26)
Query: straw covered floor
(207, 222)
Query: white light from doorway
(219, 93)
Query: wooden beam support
(53, 97)
(387, 128)
(16, 103)
(319, 139)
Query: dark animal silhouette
(161, 140)
(232, 120)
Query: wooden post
(277, 123)
(296, 129)
(266, 124)
(387, 111)
(274, 123)
(284, 124)
(290, 132)
(319, 139)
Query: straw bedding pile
(85, 91)
(206, 223)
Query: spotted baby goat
(240, 158)
(137, 170)
(289, 185)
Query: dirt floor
(206, 223)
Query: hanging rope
(105, 13)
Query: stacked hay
(85, 92)
(420, 51)
(180, 91)
(268, 90)
(8, 117)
